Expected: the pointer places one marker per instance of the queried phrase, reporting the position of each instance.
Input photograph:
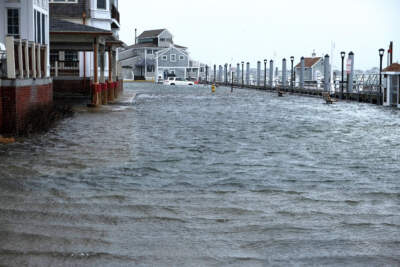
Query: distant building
(313, 69)
(154, 56)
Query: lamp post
(242, 73)
(342, 54)
(291, 73)
(265, 73)
(381, 52)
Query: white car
(177, 81)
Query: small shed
(391, 95)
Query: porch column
(39, 63)
(110, 78)
(20, 60)
(10, 57)
(103, 94)
(45, 63)
(114, 73)
(26, 58)
(33, 59)
(95, 97)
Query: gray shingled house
(313, 71)
(154, 56)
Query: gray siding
(164, 35)
(171, 64)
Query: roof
(150, 45)
(140, 46)
(309, 62)
(179, 46)
(151, 33)
(63, 26)
(395, 67)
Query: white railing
(25, 59)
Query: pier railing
(25, 59)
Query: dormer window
(101, 4)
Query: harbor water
(179, 176)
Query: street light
(265, 73)
(242, 73)
(291, 74)
(381, 52)
(342, 54)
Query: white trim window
(13, 22)
(63, 1)
(164, 58)
(101, 4)
(150, 52)
(40, 27)
(181, 57)
(172, 58)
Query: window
(165, 58)
(101, 4)
(150, 52)
(13, 22)
(173, 58)
(71, 55)
(43, 29)
(54, 56)
(38, 27)
(162, 39)
(150, 68)
(181, 57)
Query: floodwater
(184, 177)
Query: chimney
(135, 35)
(313, 54)
(391, 52)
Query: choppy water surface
(185, 177)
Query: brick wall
(18, 100)
(65, 88)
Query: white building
(26, 20)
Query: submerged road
(181, 176)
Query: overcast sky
(222, 31)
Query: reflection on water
(185, 177)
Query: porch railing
(25, 59)
(65, 68)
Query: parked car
(177, 81)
